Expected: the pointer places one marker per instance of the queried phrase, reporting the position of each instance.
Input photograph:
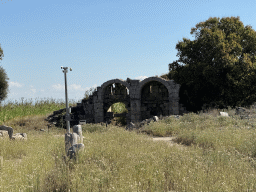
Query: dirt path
(169, 140)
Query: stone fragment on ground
(224, 114)
(9, 129)
(4, 134)
(155, 118)
(19, 136)
(147, 122)
(131, 125)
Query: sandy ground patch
(169, 140)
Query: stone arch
(154, 96)
(118, 116)
(108, 98)
(159, 79)
(104, 85)
(96, 107)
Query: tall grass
(25, 108)
(118, 160)
(210, 132)
(217, 155)
(26, 163)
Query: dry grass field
(212, 153)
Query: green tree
(218, 67)
(1, 53)
(3, 80)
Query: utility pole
(65, 70)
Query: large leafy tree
(1, 53)
(218, 67)
(3, 80)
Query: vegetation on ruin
(119, 108)
(218, 67)
(89, 92)
(214, 154)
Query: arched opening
(116, 89)
(117, 113)
(116, 103)
(154, 100)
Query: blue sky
(100, 39)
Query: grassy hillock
(214, 154)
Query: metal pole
(65, 70)
(66, 96)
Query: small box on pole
(82, 122)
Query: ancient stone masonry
(153, 96)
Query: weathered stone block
(78, 130)
(155, 118)
(9, 129)
(19, 136)
(224, 114)
(70, 140)
(4, 134)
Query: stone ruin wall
(153, 96)
(154, 100)
(114, 93)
